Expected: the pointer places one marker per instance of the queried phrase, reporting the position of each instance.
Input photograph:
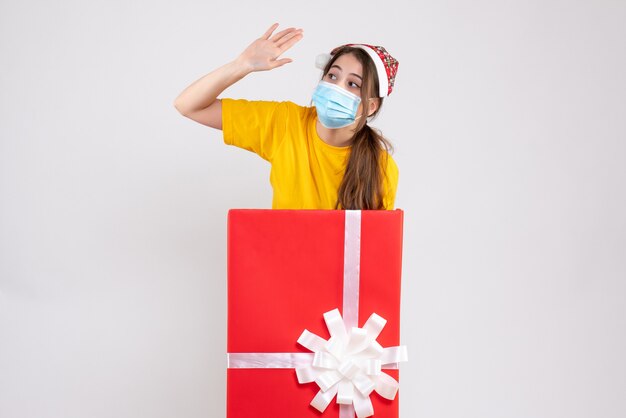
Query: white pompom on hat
(386, 65)
(322, 59)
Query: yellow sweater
(306, 171)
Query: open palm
(263, 53)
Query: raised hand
(263, 53)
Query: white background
(509, 122)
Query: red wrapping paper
(285, 269)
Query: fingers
(281, 34)
(268, 33)
(281, 62)
(289, 40)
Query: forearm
(204, 91)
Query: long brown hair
(362, 183)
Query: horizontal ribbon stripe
(277, 361)
(268, 360)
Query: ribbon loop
(311, 341)
(328, 379)
(394, 355)
(306, 374)
(324, 360)
(322, 399)
(345, 393)
(363, 406)
(374, 325)
(335, 325)
(364, 384)
(386, 386)
(372, 367)
(335, 346)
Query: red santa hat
(386, 65)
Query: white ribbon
(349, 364)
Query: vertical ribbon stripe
(351, 268)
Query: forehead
(349, 64)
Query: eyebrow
(340, 69)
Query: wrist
(240, 67)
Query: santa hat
(386, 65)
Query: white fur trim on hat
(383, 80)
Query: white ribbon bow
(348, 361)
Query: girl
(324, 156)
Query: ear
(373, 105)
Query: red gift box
(287, 271)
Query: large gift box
(314, 313)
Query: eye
(331, 75)
(353, 84)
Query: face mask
(336, 107)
